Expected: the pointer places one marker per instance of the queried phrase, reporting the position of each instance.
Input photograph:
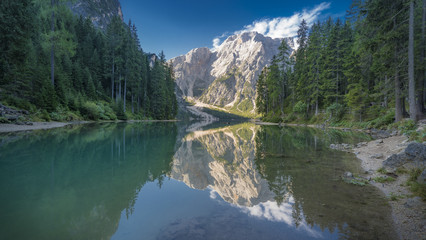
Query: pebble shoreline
(409, 213)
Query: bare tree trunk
(411, 81)
(133, 109)
(385, 98)
(317, 92)
(398, 104)
(112, 77)
(421, 90)
(52, 51)
(139, 103)
(125, 93)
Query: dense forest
(367, 68)
(60, 67)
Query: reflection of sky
(271, 211)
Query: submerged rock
(341, 147)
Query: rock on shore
(390, 153)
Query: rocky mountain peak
(99, 11)
(226, 76)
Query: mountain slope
(226, 77)
(99, 11)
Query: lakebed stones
(413, 156)
(342, 147)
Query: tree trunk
(139, 103)
(317, 93)
(112, 78)
(398, 104)
(125, 93)
(421, 90)
(52, 51)
(133, 109)
(337, 87)
(411, 81)
(385, 94)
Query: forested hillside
(60, 67)
(367, 68)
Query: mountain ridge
(100, 12)
(226, 76)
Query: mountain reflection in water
(283, 175)
(161, 181)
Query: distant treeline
(59, 66)
(369, 66)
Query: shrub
(91, 111)
(299, 107)
(337, 111)
(384, 179)
(406, 125)
(384, 120)
(4, 120)
(107, 112)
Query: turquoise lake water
(173, 181)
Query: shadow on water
(74, 182)
(161, 181)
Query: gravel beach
(409, 213)
(35, 126)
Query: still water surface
(161, 181)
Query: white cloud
(218, 39)
(271, 211)
(280, 27)
(216, 42)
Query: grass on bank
(418, 189)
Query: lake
(174, 181)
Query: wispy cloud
(280, 27)
(218, 39)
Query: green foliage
(384, 179)
(359, 181)
(90, 110)
(336, 110)
(414, 174)
(63, 115)
(394, 197)
(4, 120)
(245, 106)
(355, 68)
(418, 189)
(384, 120)
(93, 70)
(300, 107)
(406, 125)
(401, 170)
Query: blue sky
(177, 26)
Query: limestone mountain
(99, 11)
(226, 77)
